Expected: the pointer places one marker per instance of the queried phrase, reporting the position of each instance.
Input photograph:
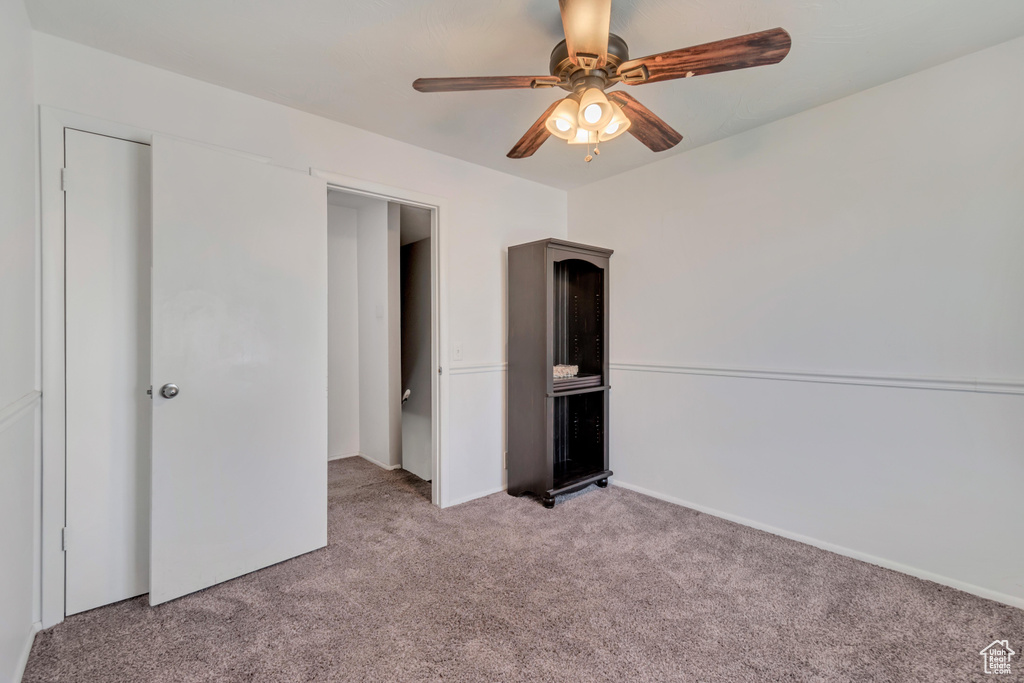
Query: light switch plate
(457, 352)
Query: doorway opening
(381, 340)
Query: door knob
(169, 390)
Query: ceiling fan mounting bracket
(587, 61)
(637, 75)
(570, 74)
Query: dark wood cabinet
(557, 315)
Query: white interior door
(239, 297)
(107, 237)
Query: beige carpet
(608, 586)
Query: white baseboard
(1004, 598)
(342, 456)
(19, 668)
(474, 496)
(364, 457)
(378, 463)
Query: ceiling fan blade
(741, 52)
(646, 127)
(535, 137)
(586, 24)
(484, 83)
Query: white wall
(343, 333)
(374, 351)
(880, 235)
(487, 210)
(19, 396)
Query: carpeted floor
(609, 586)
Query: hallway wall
(343, 332)
(375, 330)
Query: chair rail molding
(975, 385)
(12, 412)
(478, 368)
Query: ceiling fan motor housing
(576, 78)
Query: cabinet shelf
(557, 315)
(577, 382)
(585, 390)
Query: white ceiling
(354, 61)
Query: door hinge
(64, 539)
(64, 179)
(149, 392)
(439, 368)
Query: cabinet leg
(603, 483)
(549, 501)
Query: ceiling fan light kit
(595, 109)
(617, 126)
(591, 59)
(584, 137)
(563, 120)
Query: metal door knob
(169, 390)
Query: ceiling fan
(591, 59)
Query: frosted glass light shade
(562, 122)
(584, 137)
(617, 126)
(593, 97)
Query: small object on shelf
(557, 368)
(569, 378)
(566, 371)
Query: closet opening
(381, 332)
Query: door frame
(53, 476)
(438, 207)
